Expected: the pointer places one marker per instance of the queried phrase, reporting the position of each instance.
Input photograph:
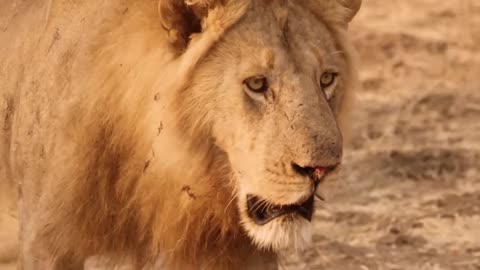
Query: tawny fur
(110, 146)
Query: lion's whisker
(230, 202)
(337, 52)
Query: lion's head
(269, 94)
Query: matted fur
(120, 159)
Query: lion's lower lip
(262, 212)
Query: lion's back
(42, 45)
(45, 44)
(55, 52)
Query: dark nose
(316, 174)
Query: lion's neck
(193, 214)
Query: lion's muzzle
(262, 211)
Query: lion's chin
(284, 232)
(277, 227)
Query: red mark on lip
(319, 172)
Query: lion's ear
(353, 6)
(335, 12)
(181, 18)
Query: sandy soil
(410, 191)
(409, 197)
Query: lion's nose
(316, 174)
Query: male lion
(193, 133)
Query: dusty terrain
(409, 195)
(410, 191)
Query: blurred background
(409, 197)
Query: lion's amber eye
(327, 79)
(328, 82)
(257, 84)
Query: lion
(191, 133)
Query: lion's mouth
(261, 211)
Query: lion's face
(274, 83)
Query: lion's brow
(268, 58)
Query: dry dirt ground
(410, 191)
(409, 195)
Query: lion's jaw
(275, 204)
(284, 231)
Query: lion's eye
(327, 83)
(257, 84)
(327, 79)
